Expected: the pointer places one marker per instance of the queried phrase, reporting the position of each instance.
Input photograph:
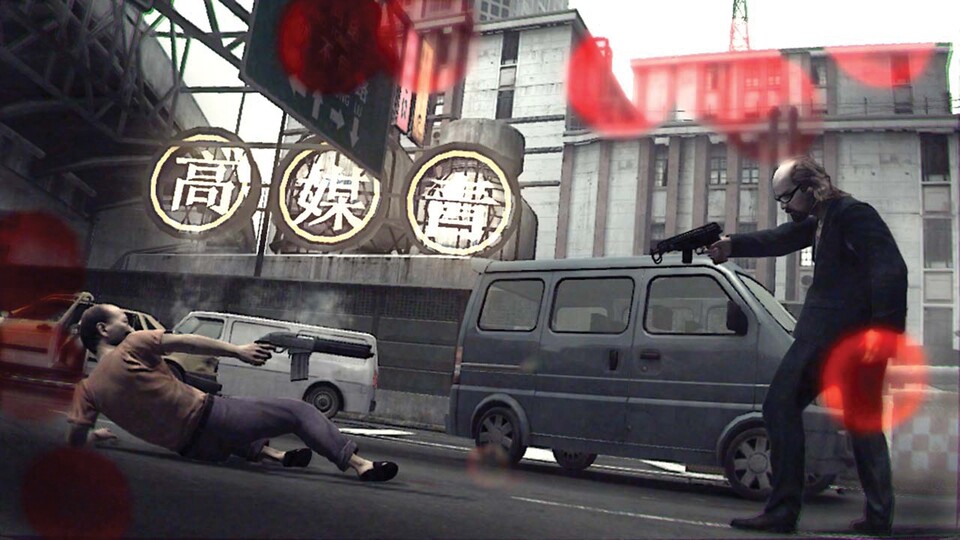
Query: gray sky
(651, 28)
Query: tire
(176, 370)
(746, 465)
(326, 399)
(573, 461)
(500, 426)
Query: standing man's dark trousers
(795, 385)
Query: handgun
(687, 242)
(301, 347)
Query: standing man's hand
(720, 250)
(255, 354)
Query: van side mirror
(736, 319)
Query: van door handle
(649, 354)
(614, 359)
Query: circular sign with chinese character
(324, 200)
(203, 184)
(460, 201)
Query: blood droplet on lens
(853, 384)
(330, 46)
(883, 66)
(76, 493)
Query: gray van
(624, 357)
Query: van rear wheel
(748, 468)
(325, 398)
(573, 461)
(500, 428)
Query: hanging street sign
(356, 123)
(197, 190)
(460, 200)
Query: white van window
(686, 305)
(592, 305)
(512, 305)
(245, 332)
(211, 328)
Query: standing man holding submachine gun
(859, 282)
(133, 386)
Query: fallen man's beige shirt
(135, 388)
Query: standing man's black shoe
(765, 522)
(873, 528)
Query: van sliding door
(581, 383)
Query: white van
(335, 383)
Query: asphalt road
(436, 494)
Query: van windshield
(769, 303)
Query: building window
(937, 243)
(749, 171)
(511, 48)
(806, 258)
(818, 71)
(903, 99)
(660, 163)
(900, 69)
(438, 104)
(718, 164)
(938, 336)
(508, 77)
(773, 74)
(751, 77)
(657, 233)
(934, 160)
(504, 104)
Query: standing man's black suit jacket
(859, 277)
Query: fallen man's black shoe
(381, 472)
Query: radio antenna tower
(739, 31)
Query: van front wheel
(748, 470)
(573, 461)
(325, 398)
(499, 427)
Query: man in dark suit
(859, 282)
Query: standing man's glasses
(787, 197)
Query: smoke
(319, 308)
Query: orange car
(41, 343)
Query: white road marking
(376, 432)
(539, 454)
(666, 465)
(626, 514)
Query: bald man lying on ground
(134, 387)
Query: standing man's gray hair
(809, 174)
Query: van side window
(244, 332)
(211, 328)
(686, 305)
(512, 305)
(134, 321)
(592, 305)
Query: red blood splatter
(39, 256)
(489, 468)
(598, 100)
(431, 58)
(76, 493)
(854, 383)
(327, 45)
(883, 66)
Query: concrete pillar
(563, 217)
(701, 161)
(732, 206)
(770, 150)
(644, 206)
(673, 186)
(603, 199)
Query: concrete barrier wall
(924, 448)
(416, 327)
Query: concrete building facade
(894, 146)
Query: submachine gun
(301, 347)
(698, 240)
